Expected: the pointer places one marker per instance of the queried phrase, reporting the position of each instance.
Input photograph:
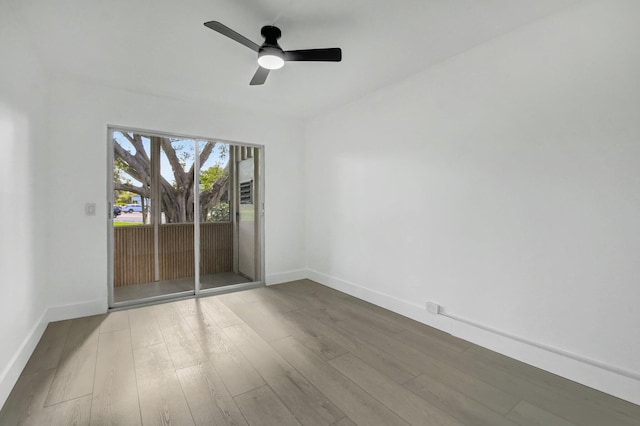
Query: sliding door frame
(197, 291)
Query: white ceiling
(162, 47)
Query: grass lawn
(126, 223)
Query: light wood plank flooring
(293, 354)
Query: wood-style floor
(292, 354)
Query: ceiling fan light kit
(271, 59)
(270, 54)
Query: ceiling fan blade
(327, 55)
(226, 31)
(259, 77)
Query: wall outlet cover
(433, 308)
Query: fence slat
(133, 252)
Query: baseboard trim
(12, 372)
(76, 310)
(284, 277)
(598, 375)
(402, 307)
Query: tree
(176, 198)
(209, 176)
(124, 197)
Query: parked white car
(130, 208)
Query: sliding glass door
(185, 218)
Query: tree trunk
(177, 199)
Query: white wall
(503, 184)
(77, 173)
(22, 125)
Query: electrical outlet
(434, 308)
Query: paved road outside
(135, 217)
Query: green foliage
(120, 168)
(209, 177)
(124, 197)
(219, 213)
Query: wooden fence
(133, 259)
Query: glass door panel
(175, 213)
(246, 214)
(216, 225)
(152, 230)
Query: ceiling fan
(270, 54)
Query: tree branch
(137, 165)
(174, 161)
(215, 194)
(204, 156)
(141, 191)
(206, 152)
(136, 141)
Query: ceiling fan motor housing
(271, 35)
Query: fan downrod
(271, 35)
